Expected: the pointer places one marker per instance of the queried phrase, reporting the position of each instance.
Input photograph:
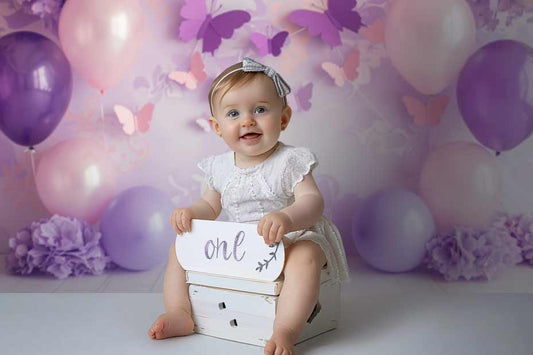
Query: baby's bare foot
(171, 324)
(281, 342)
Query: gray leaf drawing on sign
(267, 262)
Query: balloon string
(102, 118)
(32, 159)
(297, 31)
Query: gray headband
(250, 65)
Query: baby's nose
(248, 121)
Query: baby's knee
(305, 253)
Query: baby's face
(250, 118)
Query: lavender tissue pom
(519, 227)
(48, 10)
(471, 253)
(19, 246)
(61, 246)
(41, 8)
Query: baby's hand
(273, 227)
(180, 220)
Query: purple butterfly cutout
(329, 24)
(267, 45)
(303, 97)
(199, 24)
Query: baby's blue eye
(233, 114)
(260, 109)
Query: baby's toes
(156, 329)
(288, 352)
(270, 348)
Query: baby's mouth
(251, 135)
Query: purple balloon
(35, 87)
(391, 230)
(494, 93)
(135, 228)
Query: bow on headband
(250, 65)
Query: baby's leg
(177, 319)
(303, 264)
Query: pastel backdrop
(352, 106)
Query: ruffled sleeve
(300, 162)
(206, 165)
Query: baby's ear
(286, 115)
(215, 125)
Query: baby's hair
(232, 76)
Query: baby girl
(260, 180)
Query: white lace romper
(251, 193)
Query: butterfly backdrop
(371, 117)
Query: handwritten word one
(212, 250)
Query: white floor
(409, 313)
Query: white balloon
(429, 41)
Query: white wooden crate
(248, 316)
(243, 309)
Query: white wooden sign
(229, 249)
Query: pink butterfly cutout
(329, 24)
(267, 45)
(375, 32)
(194, 76)
(197, 23)
(202, 124)
(131, 122)
(302, 97)
(348, 71)
(430, 113)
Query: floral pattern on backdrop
(368, 126)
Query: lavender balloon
(391, 230)
(494, 94)
(135, 230)
(35, 87)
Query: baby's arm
(206, 207)
(302, 214)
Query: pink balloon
(461, 183)
(429, 41)
(76, 178)
(101, 38)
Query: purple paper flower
(471, 253)
(48, 10)
(519, 227)
(61, 246)
(19, 246)
(486, 17)
(41, 8)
